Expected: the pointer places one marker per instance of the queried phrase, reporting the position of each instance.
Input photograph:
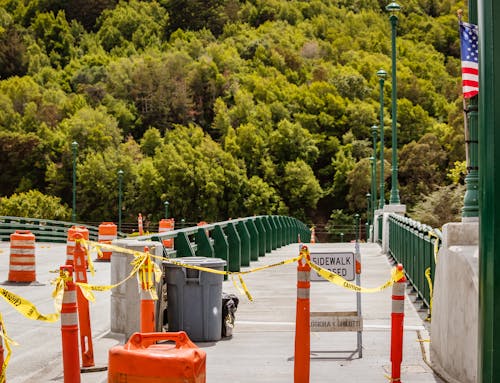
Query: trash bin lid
(199, 261)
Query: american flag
(469, 43)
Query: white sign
(336, 321)
(342, 264)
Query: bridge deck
(263, 337)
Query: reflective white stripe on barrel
(20, 259)
(70, 243)
(69, 319)
(146, 295)
(22, 242)
(69, 296)
(103, 237)
(22, 267)
(398, 296)
(303, 293)
(14, 251)
(303, 276)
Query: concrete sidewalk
(262, 346)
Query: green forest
(225, 108)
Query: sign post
(347, 265)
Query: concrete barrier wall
(125, 300)
(454, 322)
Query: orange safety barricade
(140, 360)
(80, 275)
(140, 224)
(22, 266)
(70, 243)
(147, 302)
(397, 326)
(164, 226)
(69, 328)
(302, 358)
(107, 233)
(313, 235)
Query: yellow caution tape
(236, 286)
(247, 293)
(396, 275)
(436, 244)
(429, 281)
(87, 288)
(58, 293)
(8, 342)
(26, 308)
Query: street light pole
(374, 170)
(394, 8)
(74, 147)
(166, 208)
(373, 189)
(120, 180)
(368, 210)
(382, 74)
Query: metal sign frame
(348, 321)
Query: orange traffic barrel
(70, 243)
(22, 266)
(141, 360)
(164, 226)
(107, 232)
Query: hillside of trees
(224, 108)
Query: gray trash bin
(195, 298)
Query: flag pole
(470, 210)
(460, 13)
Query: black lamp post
(74, 147)
(382, 74)
(394, 200)
(120, 181)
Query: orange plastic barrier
(69, 329)
(22, 266)
(397, 326)
(302, 358)
(140, 224)
(2, 359)
(164, 226)
(147, 301)
(70, 243)
(108, 231)
(313, 235)
(140, 360)
(80, 256)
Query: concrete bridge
(262, 344)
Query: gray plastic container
(195, 298)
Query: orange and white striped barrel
(70, 243)
(22, 267)
(164, 226)
(107, 232)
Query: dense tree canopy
(223, 108)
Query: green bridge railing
(45, 230)
(415, 246)
(238, 241)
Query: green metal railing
(45, 230)
(414, 245)
(238, 241)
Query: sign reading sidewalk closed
(342, 264)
